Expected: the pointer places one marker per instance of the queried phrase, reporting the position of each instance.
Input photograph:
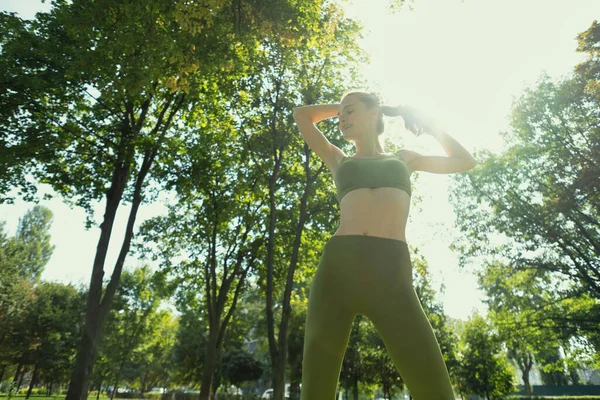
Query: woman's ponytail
(410, 118)
(391, 111)
(414, 121)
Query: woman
(365, 267)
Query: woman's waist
(362, 209)
(390, 199)
(391, 228)
(374, 212)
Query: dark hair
(373, 99)
(370, 99)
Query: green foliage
(138, 338)
(189, 348)
(430, 301)
(45, 332)
(534, 208)
(153, 364)
(22, 260)
(239, 366)
(53, 327)
(484, 370)
(33, 233)
(12, 291)
(515, 298)
(380, 368)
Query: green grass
(56, 397)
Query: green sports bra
(357, 173)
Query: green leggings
(371, 276)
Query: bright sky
(460, 62)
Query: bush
(179, 395)
(153, 396)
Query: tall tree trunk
(97, 304)
(82, 369)
(94, 316)
(278, 348)
(117, 379)
(33, 381)
(526, 382)
(216, 305)
(13, 384)
(23, 372)
(277, 390)
(210, 362)
(99, 387)
(355, 388)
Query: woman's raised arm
(306, 117)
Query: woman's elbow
(470, 164)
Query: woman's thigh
(398, 316)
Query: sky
(462, 63)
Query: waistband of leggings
(366, 239)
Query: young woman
(365, 267)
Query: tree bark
(528, 364)
(216, 302)
(82, 370)
(99, 388)
(117, 379)
(278, 349)
(94, 316)
(98, 305)
(210, 363)
(33, 382)
(23, 372)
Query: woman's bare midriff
(380, 212)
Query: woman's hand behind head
(414, 120)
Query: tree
(22, 260)
(483, 369)
(132, 320)
(380, 368)
(153, 363)
(327, 58)
(512, 295)
(553, 367)
(225, 199)
(48, 332)
(13, 296)
(354, 366)
(210, 228)
(33, 232)
(91, 108)
(446, 337)
(239, 366)
(539, 198)
(295, 350)
(189, 348)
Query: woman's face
(355, 119)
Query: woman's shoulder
(408, 155)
